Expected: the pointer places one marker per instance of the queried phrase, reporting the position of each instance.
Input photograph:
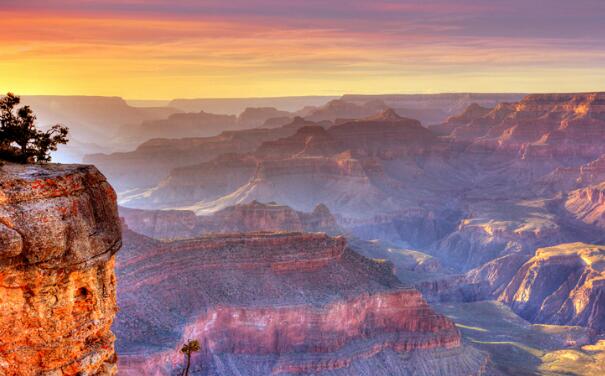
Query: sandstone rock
(59, 231)
(588, 205)
(563, 285)
(542, 126)
(153, 160)
(339, 182)
(386, 136)
(252, 217)
(189, 184)
(281, 303)
(473, 112)
(308, 141)
(498, 228)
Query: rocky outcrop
(385, 136)
(59, 231)
(563, 285)
(473, 112)
(307, 141)
(281, 303)
(588, 205)
(542, 126)
(252, 217)
(495, 229)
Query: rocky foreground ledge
(59, 231)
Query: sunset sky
(161, 49)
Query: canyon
(462, 209)
(342, 238)
(276, 303)
(561, 285)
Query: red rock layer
(299, 298)
(279, 330)
(252, 217)
(542, 126)
(59, 229)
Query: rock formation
(59, 230)
(542, 125)
(339, 182)
(341, 109)
(563, 285)
(192, 183)
(434, 108)
(196, 124)
(281, 303)
(473, 112)
(307, 141)
(153, 160)
(385, 135)
(588, 205)
(253, 117)
(252, 217)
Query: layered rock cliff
(564, 285)
(588, 205)
(541, 126)
(252, 217)
(59, 231)
(153, 160)
(280, 303)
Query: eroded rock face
(59, 230)
(153, 160)
(541, 126)
(252, 217)
(588, 205)
(563, 285)
(279, 303)
(205, 181)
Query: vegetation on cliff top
(20, 139)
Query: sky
(163, 49)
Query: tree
(20, 139)
(187, 349)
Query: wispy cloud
(163, 48)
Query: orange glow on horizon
(154, 57)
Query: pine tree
(20, 139)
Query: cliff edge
(59, 231)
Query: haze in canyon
(365, 188)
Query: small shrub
(187, 349)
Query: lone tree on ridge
(20, 140)
(190, 347)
